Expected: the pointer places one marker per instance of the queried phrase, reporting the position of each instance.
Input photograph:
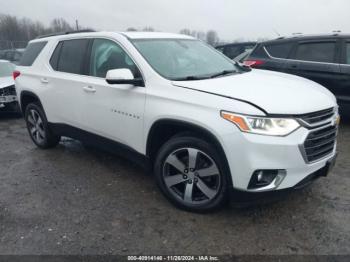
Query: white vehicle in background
(208, 126)
(8, 97)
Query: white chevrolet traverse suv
(208, 126)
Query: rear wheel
(190, 173)
(38, 127)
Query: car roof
(4, 61)
(153, 35)
(306, 37)
(130, 35)
(237, 43)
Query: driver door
(113, 111)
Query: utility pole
(77, 24)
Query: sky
(232, 19)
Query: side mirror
(123, 76)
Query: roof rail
(66, 33)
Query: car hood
(6, 81)
(275, 93)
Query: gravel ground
(73, 200)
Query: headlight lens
(262, 125)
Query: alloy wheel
(191, 176)
(36, 126)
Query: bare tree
(131, 29)
(212, 37)
(185, 31)
(201, 35)
(148, 29)
(60, 25)
(15, 32)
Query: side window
(317, 52)
(280, 50)
(9, 55)
(72, 55)
(55, 56)
(17, 56)
(233, 51)
(348, 53)
(31, 53)
(107, 55)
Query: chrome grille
(318, 118)
(320, 143)
(8, 91)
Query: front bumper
(243, 198)
(247, 153)
(8, 99)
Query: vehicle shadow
(4, 115)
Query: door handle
(89, 89)
(44, 80)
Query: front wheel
(191, 175)
(38, 127)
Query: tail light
(16, 74)
(253, 63)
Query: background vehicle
(12, 55)
(235, 49)
(241, 57)
(206, 125)
(324, 59)
(8, 97)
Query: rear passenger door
(65, 83)
(113, 111)
(318, 61)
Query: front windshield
(184, 59)
(6, 69)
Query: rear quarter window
(280, 50)
(259, 52)
(31, 53)
(348, 53)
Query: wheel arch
(164, 129)
(27, 97)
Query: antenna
(276, 32)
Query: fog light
(266, 179)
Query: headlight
(262, 125)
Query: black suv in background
(324, 59)
(235, 49)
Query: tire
(38, 128)
(198, 183)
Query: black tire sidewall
(210, 150)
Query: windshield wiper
(223, 73)
(190, 78)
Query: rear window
(316, 52)
(279, 50)
(71, 56)
(31, 53)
